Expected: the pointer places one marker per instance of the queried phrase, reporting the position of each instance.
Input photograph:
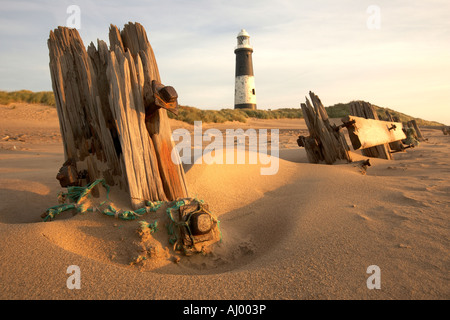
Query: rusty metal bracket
(344, 125)
(301, 141)
(393, 127)
(163, 97)
(68, 174)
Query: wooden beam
(366, 133)
(366, 110)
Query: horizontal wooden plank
(366, 133)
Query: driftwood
(446, 130)
(366, 110)
(325, 142)
(112, 111)
(413, 124)
(366, 133)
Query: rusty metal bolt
(168, 94)
(200, 223)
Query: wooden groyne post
(112, 111)
(326, 142)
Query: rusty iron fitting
(168, 94)
(346, 124)
(162, 97)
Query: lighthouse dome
(243, 33)
(243, 39)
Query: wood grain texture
(366, 110)
(102, 95)
(413, 124)
(324, 143)
(366, 133)
(396, 145)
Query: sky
(394, 54)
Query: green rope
(79, 194)
(53, 211)
(170, 227)
(151, 227)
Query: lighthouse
(244, 88)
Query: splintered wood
(109, 123)
(325, 142)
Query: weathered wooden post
(112, 111)
(413, 124)
(325, 142)
(446, 131)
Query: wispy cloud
(321, 45)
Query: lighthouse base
(250, 106)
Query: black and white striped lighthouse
(244, 89)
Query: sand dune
(307, 232)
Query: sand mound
(114, 241)
(239, 184)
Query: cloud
(323, 46)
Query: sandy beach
(310, 231)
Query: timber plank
(366, 110)
(366, 133)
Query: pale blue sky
(324, 46)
